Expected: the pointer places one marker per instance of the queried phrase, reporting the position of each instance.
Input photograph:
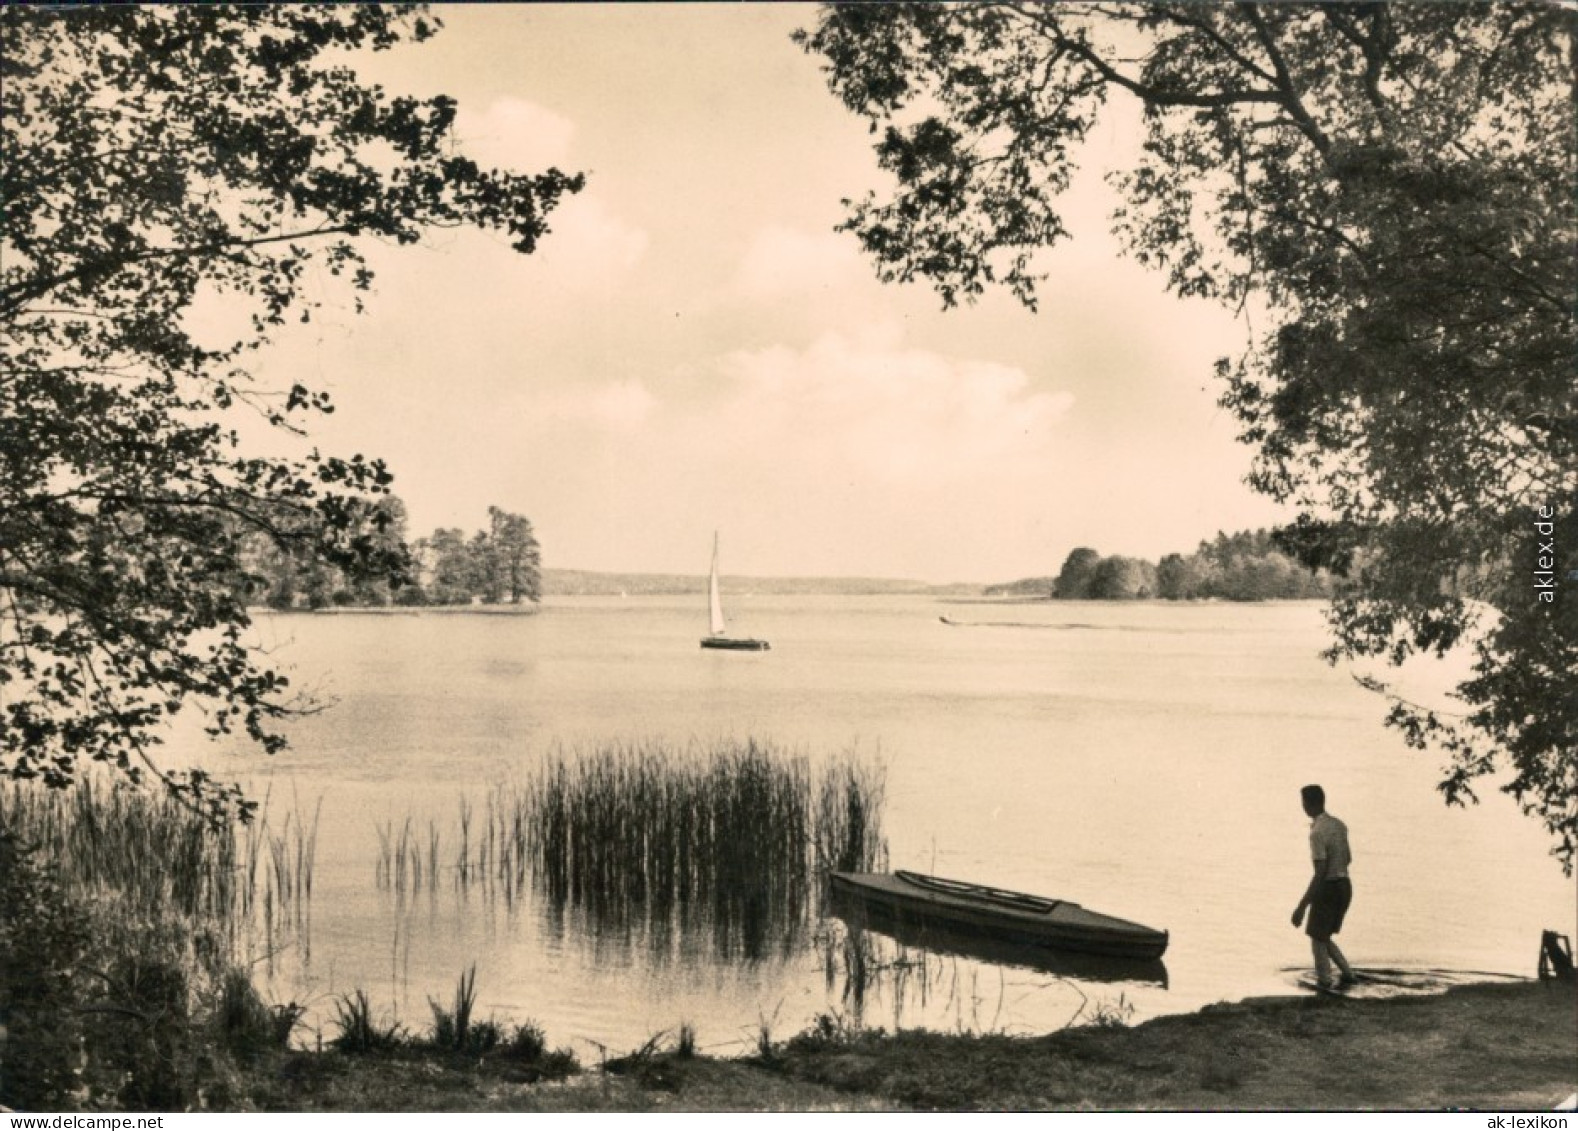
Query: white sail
(715, 602)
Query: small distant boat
(1010, 916)
(717, 635)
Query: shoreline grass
(1475, 1046)
(1493, 1048)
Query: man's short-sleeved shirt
(1329, 842)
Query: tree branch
(20, 293)
(1375, 56)
(1149, 94)
(1289, 98)
(1204, 27)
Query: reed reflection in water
(661, 849)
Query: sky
(694, 348)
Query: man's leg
(1344, 896)
(1319, 948)
(1342, 962)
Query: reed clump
(648, 838)
(152, 857)
(360, 1030)
(456, 1029)
(456, 1033)
(127, 922)
(650, 833)
(848, 823)
(731, 838)
(145, 847)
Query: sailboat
(717, 636)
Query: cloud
(588, 244)
(827, 456)
(516, 135)
(876, 411)
(782, 261)
(615, 407)
(587, 241)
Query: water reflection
(930, 970)
(715, 924)
(671, 851)
(942, 939)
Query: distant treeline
(502, 564)
(588, 583)
(1248, 566)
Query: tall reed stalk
(151, 856)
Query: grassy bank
(1494, 1047)
(1480, 1048)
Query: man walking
(1329, 892)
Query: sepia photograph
(854, 557)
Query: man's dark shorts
(1330, 905)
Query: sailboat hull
(716, 637)
(735, 644)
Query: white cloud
(872, 410)
(618, 407)
(516, 135)
(588, 241)
(783, 261)
(588, 244)
(824, 457)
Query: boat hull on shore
(1014, 917)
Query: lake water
(1141, 759)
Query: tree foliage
(514, 558)
(502, 563)
(1393, 184)
(1079, 570)
(1247, 566)
(1123, 579)
(290, 573)
(156, 158)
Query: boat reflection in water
(939, 938)
(925, 967)
(934, 979)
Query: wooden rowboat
(910, 897)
